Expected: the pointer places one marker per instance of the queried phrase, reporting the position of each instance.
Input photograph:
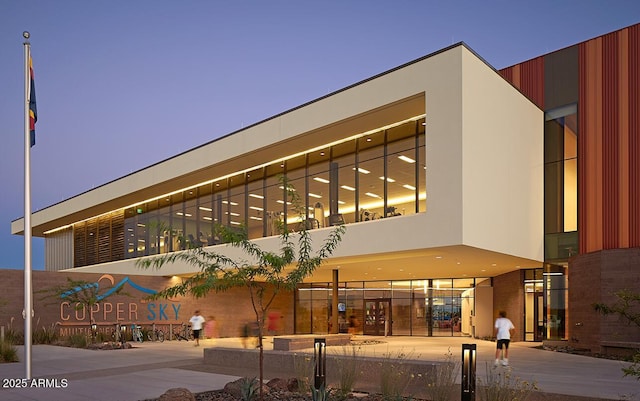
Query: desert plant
(79, 340)
(8, 352)
(248, 388)
(627, 308)
(347, 369)
(45, 335)
(501, 385)
(303, 369)
(394, 375)
(441, 380)
(13, 336)
(319, 394)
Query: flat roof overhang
(456, 261)
(112, 196)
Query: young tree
(81, 294)
(265, 275)
(626, 307)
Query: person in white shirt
(197, 323)
(504, 328)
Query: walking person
(504, 328)
(197, 321)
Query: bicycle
(183, 333)
(136, 333)
(155, 334)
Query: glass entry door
(377, 317)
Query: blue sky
(124, 84)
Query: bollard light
(320, 358)
(94, 331)
(468, 386)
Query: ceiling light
(255, 218)
(322, 180)
(406, 159)
(348, 188)
(256, 208)
(207, 218)
(409, 187)
(388, 179)
(372, 195)
(361, 170)
(206, 209)
(256, 196)
(315, 196)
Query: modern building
(464, 191)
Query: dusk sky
(124, 84)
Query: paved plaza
(149, 369)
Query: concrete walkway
(149, 369)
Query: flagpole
(28, 296)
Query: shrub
(501, 385)
(394, 375)
(45, 335)
(347, 369)
(78, 340)
(248, 388)
(441, 381)
(303, 369)
(8, 352)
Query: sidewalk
(149, 369)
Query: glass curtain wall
(561, 212)
(377, 175)
(430, 307)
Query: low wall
(299, 342)
(282, 364)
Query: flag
(33, 111)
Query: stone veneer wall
(231, 309)
(508, 296)
(594, 278)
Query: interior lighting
(207, 218)
(409, 187)
(206, 209)
(256, 196)
(216, 181)
(322, 180)
(256, 208)
(372, 195)
(315, 196)
(362, 170)
(406, 159)
(388, 179)
(348, 188)
(256, 218)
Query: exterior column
(335, 329)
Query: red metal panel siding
(532, 80)
(634, 135)
(609, 146)
(610, 140)
(528, 77)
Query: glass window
(370, 177)
(274, 199)
(255, 204)
(235, 206)
(344, 156)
